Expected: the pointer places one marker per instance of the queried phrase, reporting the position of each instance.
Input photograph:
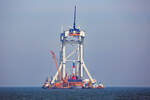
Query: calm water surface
(110, 93)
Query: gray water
(110, 93)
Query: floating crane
(72, 38)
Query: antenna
(74, 24)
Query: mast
(74, 23)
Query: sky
(117, 50)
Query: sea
(108, 93)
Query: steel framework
(75, 38)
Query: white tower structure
(75, 38)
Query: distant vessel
(74, 38)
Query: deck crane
(56, 62)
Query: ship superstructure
(71, 58)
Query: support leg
(89, 75)
(56, 75)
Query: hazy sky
(117, 44)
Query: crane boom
(56, 62)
